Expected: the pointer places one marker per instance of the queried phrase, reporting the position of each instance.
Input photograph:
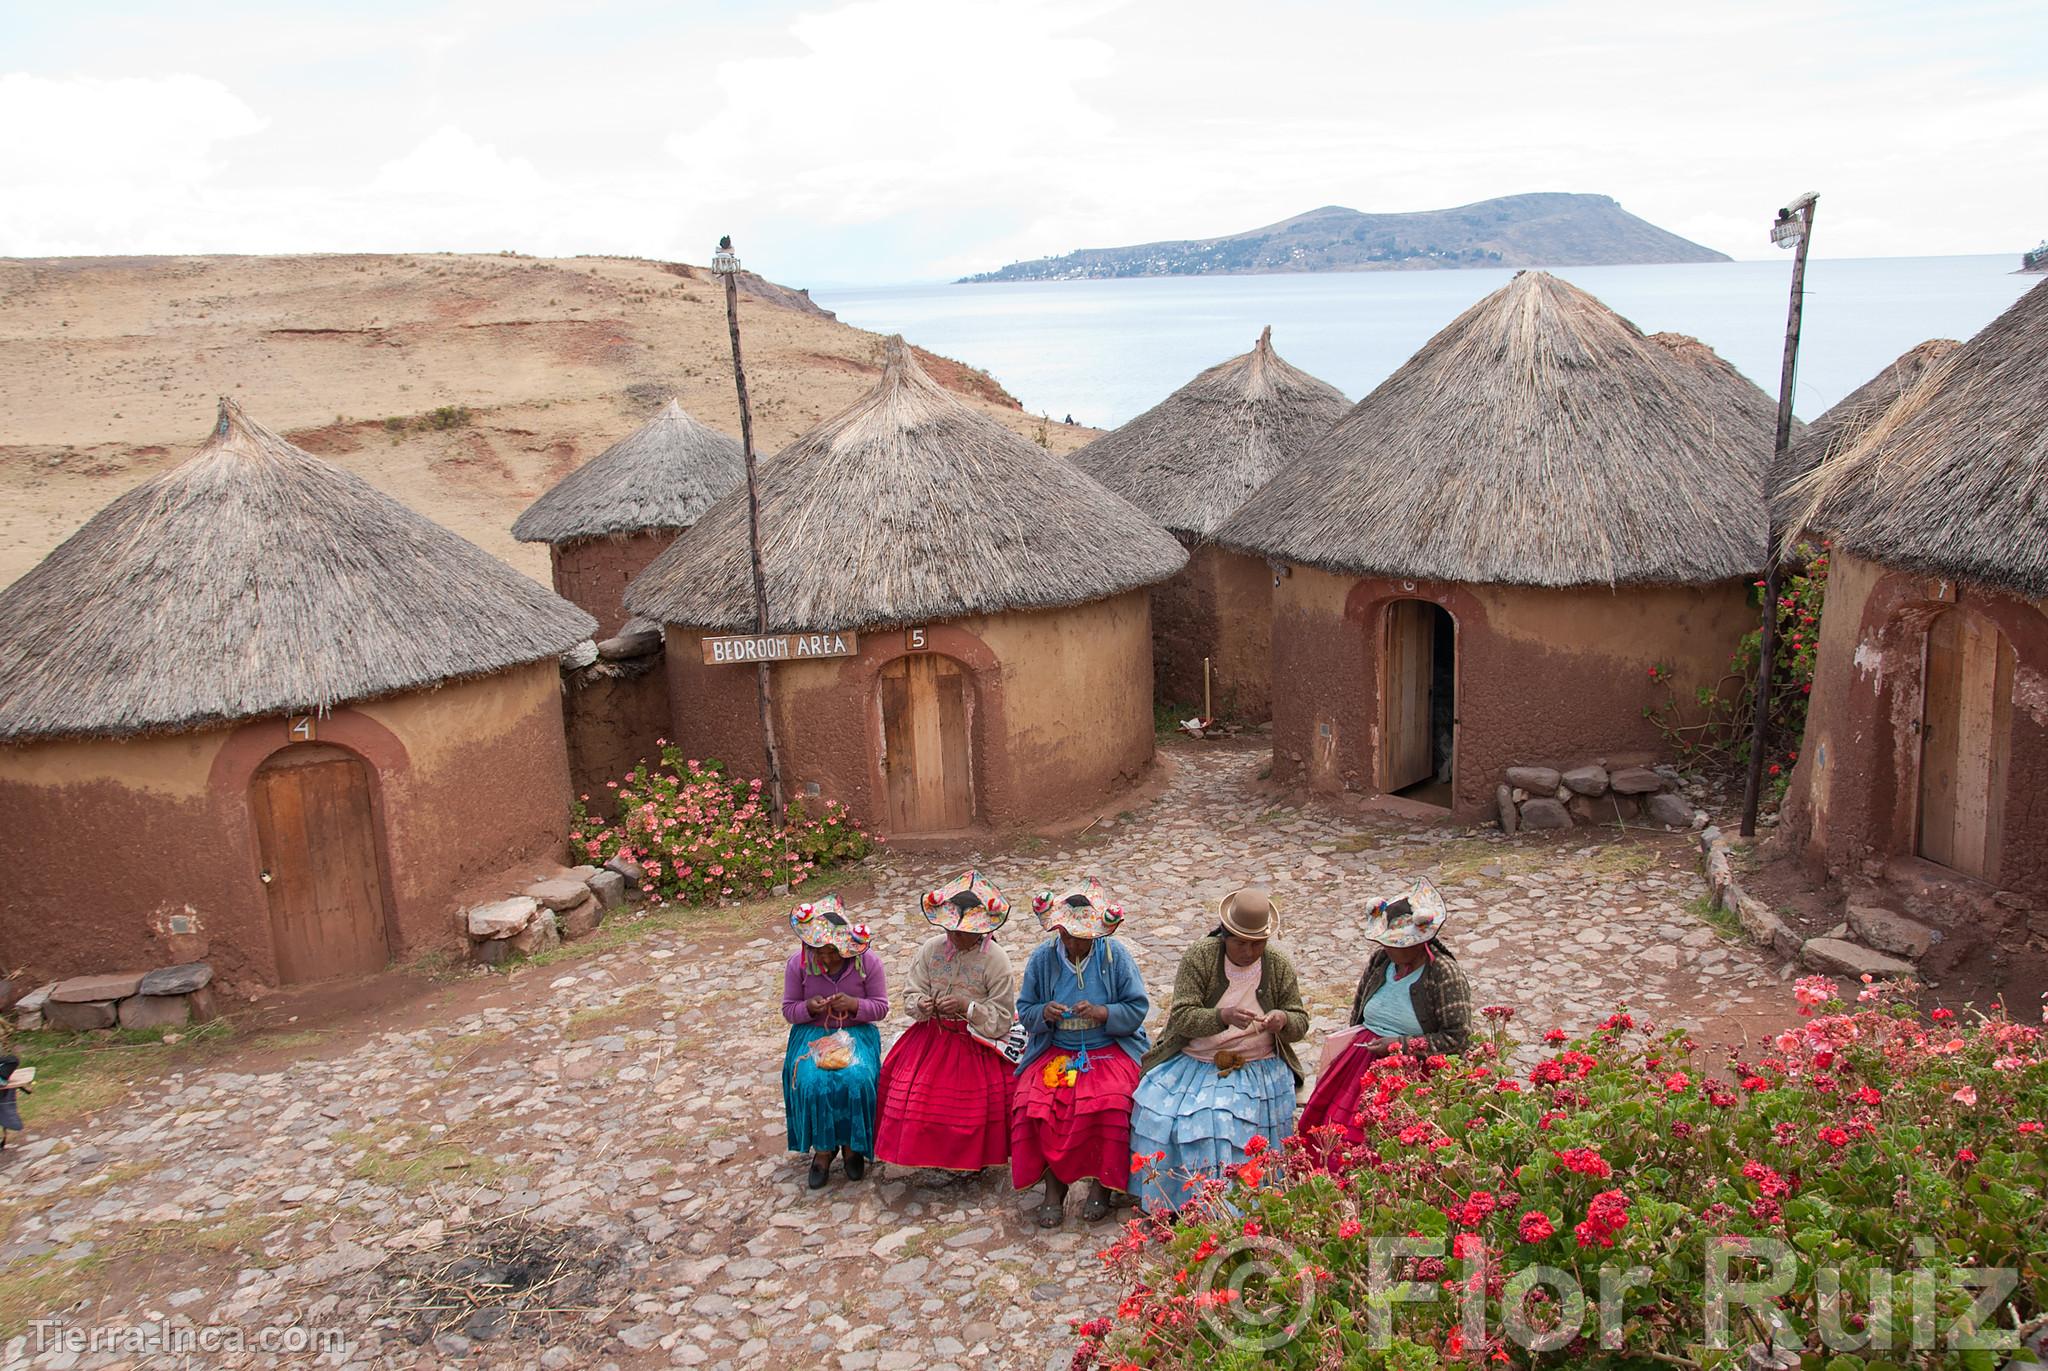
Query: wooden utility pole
(1794, 229)
(727, 265)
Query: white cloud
(890, 139)
(450, 162)
(80, 131)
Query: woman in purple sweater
(831, 983)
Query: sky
(886, 141)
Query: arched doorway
(322, 864)
(1965, 742)
(1418, 701)
(927, 761)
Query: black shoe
(821, 1170)
(856, 1166)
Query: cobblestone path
(608, 1130)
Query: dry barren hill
(463, 385)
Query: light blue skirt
(1202, 1120)
(825, 1110)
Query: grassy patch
(414, 1157)
(452, 1052)
(238, 1232)
(77, 1073)
(1722, 921)
(33, 1286)
(593, 1021)
(1624, 859)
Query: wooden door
(1407, 751)
(925, 757)
(317, 840)
(1965, 733)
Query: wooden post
(1208, 710)
(763, 687)
(1752, 785)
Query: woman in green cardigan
(1224, 1069)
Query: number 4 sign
(301, 728)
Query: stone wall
(1544, 797)
(168, 997)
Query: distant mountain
(1544, 230)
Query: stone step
(1843, 958)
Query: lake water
(1104, 351)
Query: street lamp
(727, 266)
(1793, 229)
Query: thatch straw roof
(1193, 458)
(908, 507)
(1952, 480)
(1857, 411)
(662, 475)
(1540, 439)
(256, 579)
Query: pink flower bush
(1867, 1139)
(699, 836)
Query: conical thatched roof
(1952, 480)
(908, 507)
(1193, 458)
(1857, 411)
(1539, 440)
(662, 475)
(256, 579)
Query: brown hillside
(463, 385)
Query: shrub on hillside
(1870, 1174)
(700, 836)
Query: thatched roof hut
(1952, 480)
(1193, 458)
(662, 475)
(1539, 440)
(256, 579)
(1851, 416)
(907, 507)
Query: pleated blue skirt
(1202, 1120)
(824, 1110)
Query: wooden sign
(750, 648)
(916, 640)
(301, 728)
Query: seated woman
(1412, 998)
(1224, 1069)
(832, 982)
(945, 1091)
(1083, 1004)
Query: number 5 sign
(914, 640)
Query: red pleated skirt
(1080, 1131)
(944, 1099)
(1334, 1101)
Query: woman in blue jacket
(1083, 1003)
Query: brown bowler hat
(1251, 913)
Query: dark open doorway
(1418, 690)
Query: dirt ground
(465, 385)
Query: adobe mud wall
(614, 723)
(134, 853)
(1540, 673)
(593, 573)
(1219, 606)
(1060, 716)
(1853, 802)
